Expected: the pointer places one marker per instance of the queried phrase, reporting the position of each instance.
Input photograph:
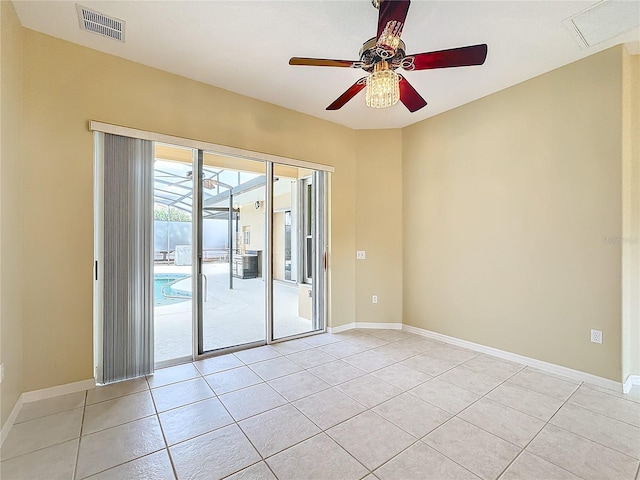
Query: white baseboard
(352, 325)
(630, 382)
(341, 328)
(6, 428)
(514, 357)
(50, 392)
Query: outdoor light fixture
(383, 87)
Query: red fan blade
(322, 62)
(410, 97)
(351, 92)
(455, 57)
(392, 11)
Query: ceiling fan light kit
(383, 87)
(385, 53)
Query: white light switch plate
(360, 255)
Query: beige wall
(68, 85)
(11, 268)
(508, 201)
(379, 216)
(631, 215)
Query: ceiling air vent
(100, 23)
(604, 21)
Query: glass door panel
(172, 266)
(298, 242)
(233, 227)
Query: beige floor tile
(257, 354)
(368, 361)
(311, 358)
(616, 407)
(412, 414)
(335, 373)
(342, 349)
(421, 461)
(298, 385)
(493, 366)
(371, 439)
(156, 466)
(275, 367)
(547, 384)
(258, 471)
(367, 341)
(319, 458)
(323, 339)
(49, 406)
(509, 424)
(632, 396)
(218, 364)
(411, 346)
(445, 395)
(390, 335)
(582, 457)
(420, 344)
(529, 467)
(56, 462)
(179, 394)
(234, 379)
(213, 455)
(395, 352)
(291, 346)
(27, 437)
(329, 407)
(369, 390)
(470, 380)
(401, 376)
(114, 390)
(114, 412)
(524, 400)
(604, 430)
(252, 400)
(278, 429)
(179, 373)
(452, 353)
(114, 446)
(430, 365)
(478, 451)
(195, 419)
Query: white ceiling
(244, 46)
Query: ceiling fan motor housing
(370, 56)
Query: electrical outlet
(374, 299)
(360, 255)
(596, 336)
(1, 373)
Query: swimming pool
(165, 292)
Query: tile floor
(373, 404)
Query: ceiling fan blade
(410, 97)
(455, 57)
(322, 62)
(392, 11)
(351, 92)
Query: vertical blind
(127, 313)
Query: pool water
(163, 291)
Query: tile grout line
(75, 466)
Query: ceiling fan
(382, 55)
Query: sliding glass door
(231, 253)
(298, 251)
(172, 245)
